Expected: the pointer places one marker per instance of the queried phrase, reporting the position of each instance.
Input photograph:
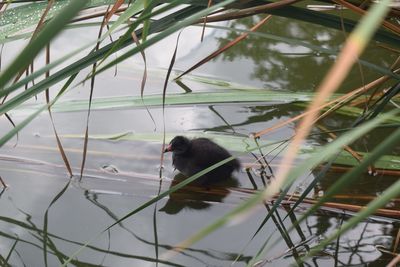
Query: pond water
(121, 174)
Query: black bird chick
(193, 156)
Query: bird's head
(178, 145)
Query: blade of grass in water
(226, 96)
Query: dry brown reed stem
(225, 47)
(358, 157)
(394, 261)
(350, 207)
(97, 14)
(391, 49)
(396, 243)
(361, 11)
(290, 199)
(361, 197)
(4, 6)
(340, 99)
(205, 22)
(113, 10)
(377, 171)
(3, 183)
(362, 101)
(250, 11)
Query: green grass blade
(45, 35)
(156, 100)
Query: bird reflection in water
(197, 197)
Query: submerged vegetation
(307, 142)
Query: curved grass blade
(171, 64)
(144, 78)
(3, 183)
(92, 80)
(46, 220)
(155, 231)
(12, 123)
(59, 144)
(47, 33)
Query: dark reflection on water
(197, 197)
(283, 66)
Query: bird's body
(193, 156)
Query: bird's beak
(167, 149)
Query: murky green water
(122, 175)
